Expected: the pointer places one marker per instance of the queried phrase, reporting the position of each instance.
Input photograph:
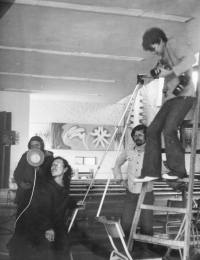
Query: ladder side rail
(181, 229)
(192, 170)
(123, 242)
(111, 241)
(136, 216)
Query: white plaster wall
(19, 105)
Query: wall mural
(77, 136)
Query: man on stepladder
(178, 98)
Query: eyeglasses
(56, 165)
(139, 135)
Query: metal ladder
(186, 224)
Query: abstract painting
(78, 136)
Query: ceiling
(85, 50)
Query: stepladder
(175, 241)
(186, 234)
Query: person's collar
(165, 50)
(140, 148)
(48, 153)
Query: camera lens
(155, 72)
(182, 84)
(179, 88)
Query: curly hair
(67, 175)
(153, 36)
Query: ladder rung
(185, 180)
(160, 241)
(160, 208)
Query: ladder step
(144, 255)
(159, 241)
(160, 208)
(185, 180)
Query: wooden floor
(88, 238)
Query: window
(85, 160)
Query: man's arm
(178, 51)
(18, 173)
(185, 55)
(119, 162)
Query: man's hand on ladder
(124, 183)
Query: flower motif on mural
(101, 135)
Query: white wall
(19, 105)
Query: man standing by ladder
(134, 155)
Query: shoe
(185, 179)
(170, 176)
(145, 179)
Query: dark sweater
(46, 211)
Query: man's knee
(169, 133)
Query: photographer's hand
(164, 73)
(37, 168)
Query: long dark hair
(67, 175)
(38, 139)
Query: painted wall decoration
(83, 136)
(78, 136)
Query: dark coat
(25, 172)
(46, 211)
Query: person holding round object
(35, 159)
(41, 232)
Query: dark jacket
(25, 172)
(46, 211)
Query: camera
(183, 81)
(156, 71)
